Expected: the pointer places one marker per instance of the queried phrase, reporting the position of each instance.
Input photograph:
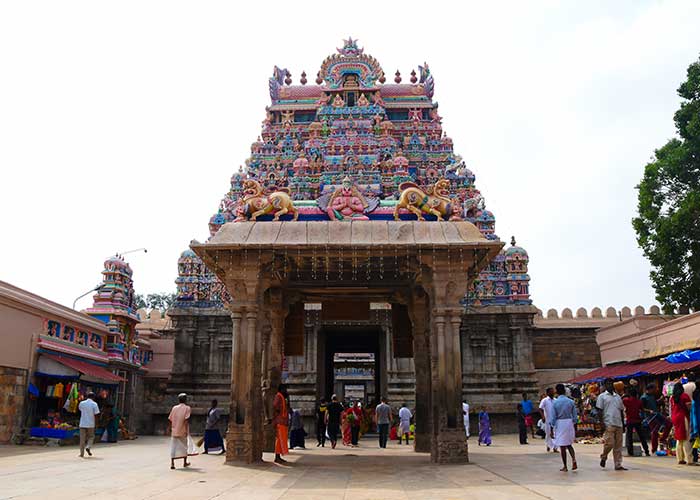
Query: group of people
(484, 424)
(334, 418)
(621, 415)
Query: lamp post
(98, 286)
(83, 295)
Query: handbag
(191, 448)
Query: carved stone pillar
(213, 351)
(272, 368)
(421, 356)
(448, 439)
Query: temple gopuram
(114, 305)
(353, 254)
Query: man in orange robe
(281, 422)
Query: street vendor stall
(60, 383)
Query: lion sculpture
(434, 201)
(255, 203)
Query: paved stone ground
(505, 470)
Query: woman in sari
(680, 416)
(484, 427)
(213, 442)
(346, 426)
(112, 424)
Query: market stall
(60, 383)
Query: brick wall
(13, 388)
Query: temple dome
(515, 252)
(117, 264)
(188, 255)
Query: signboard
(354, 391)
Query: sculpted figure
(362, 101)
(347, 203)
(338, 101)
(255, 203)
(435, 200)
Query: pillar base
(421, 443)
(242, 446)
(269, 439)
(449, 447)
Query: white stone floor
(140, 469)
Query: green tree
(161, 301)
(668, 224)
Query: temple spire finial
(350, 48)
(512, 240)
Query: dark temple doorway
(352, 363)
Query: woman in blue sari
(484, 427)
(213, 441)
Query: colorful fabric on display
(58, 390)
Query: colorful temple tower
(343, 149)
(114, 305)
(358, 145)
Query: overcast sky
(121, 123)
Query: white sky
(121, 123)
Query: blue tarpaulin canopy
(684, 356)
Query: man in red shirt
(634, 408)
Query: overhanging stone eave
(362, 237)
(357, 234)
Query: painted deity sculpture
(435, 201)
(255, 203)
(347, 203)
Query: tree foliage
(161, 301)
(668, 224)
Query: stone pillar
(272, 368)
(448, 439)
(244, 436)
(213, 351)
(421, 356)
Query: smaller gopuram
(113, 304)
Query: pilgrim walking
(563, 418)
(181, 444)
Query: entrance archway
(351, 363)
(269, 267)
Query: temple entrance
(352, 364)
(274, 271)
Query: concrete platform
(140, 469)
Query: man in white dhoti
(465, 415)
(547, 415)
(181, 444)
(405, 416)
(565, 416)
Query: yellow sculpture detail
(255, 203)
(434, 201)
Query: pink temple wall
(16, 330)
(648, 336)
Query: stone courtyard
(505, 470)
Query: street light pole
(83, 295)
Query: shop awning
(629, 370)
(85, 368)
